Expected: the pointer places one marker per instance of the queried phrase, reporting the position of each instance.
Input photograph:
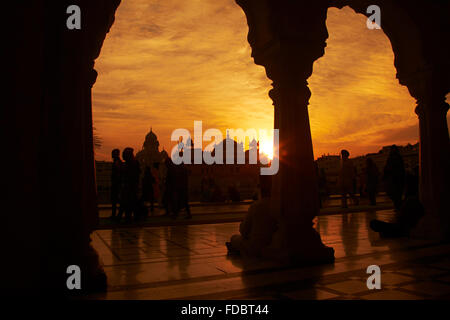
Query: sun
(266, 147)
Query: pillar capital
(438, 109)
(92, 77)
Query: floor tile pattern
(190, 262)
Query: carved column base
(94, 276)
(310, 250)
(302, 248)
(53, 275)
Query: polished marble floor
(190, 262)
(227, 212)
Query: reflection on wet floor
(190, 261)
(206, 208)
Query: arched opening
(288, 52)
(52, 75)
(164, 66)
(357, 104)
(356, 101)
(383, 121)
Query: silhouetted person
(372, 176)
(181, 190)
(216, 195)
(412, 183)
(163, 185)
(322, 182)
(394, 177)
(362, 183)
(115, 181)
(233, 193)
(147, 188)
(169, 186)
(347, 176)
(205, 190)
(129, 184)
(258, 227)
(156, 182)
(409, 214)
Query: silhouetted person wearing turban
(409, 214)
(168, 199)
(181, 190)
(394, 177)
(372, 181)
(148, 194)
(129, 184)
(115, 182)
(347, 176)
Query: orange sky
(166, 63)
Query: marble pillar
(50, 172)
(434, 157)
(286, 39)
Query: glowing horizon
(165, 64)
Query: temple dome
(150, 150)
(151, 141)
(151, 137)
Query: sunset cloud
(166, 63)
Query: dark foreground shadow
(264, 279)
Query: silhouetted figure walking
(322, 181)
(409, 214)
(115, 181)
(204, 189)
(156, 182)
(129, 184)
(412, 183)
(181, 191)
(372, 176)
(216, 195)
(169, 186)
(347, 176)
(233, 193)
(147, 189)
(394, 177)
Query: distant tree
(97, 140)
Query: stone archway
(286, 38)
(50, 161)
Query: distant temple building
(410, 154)
(214, 182)
(330, 164)
(150, 151)
(219, 182)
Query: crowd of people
(134, 191)
(393, 179)
(401, 187)
(211, 191)
(258, 229)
